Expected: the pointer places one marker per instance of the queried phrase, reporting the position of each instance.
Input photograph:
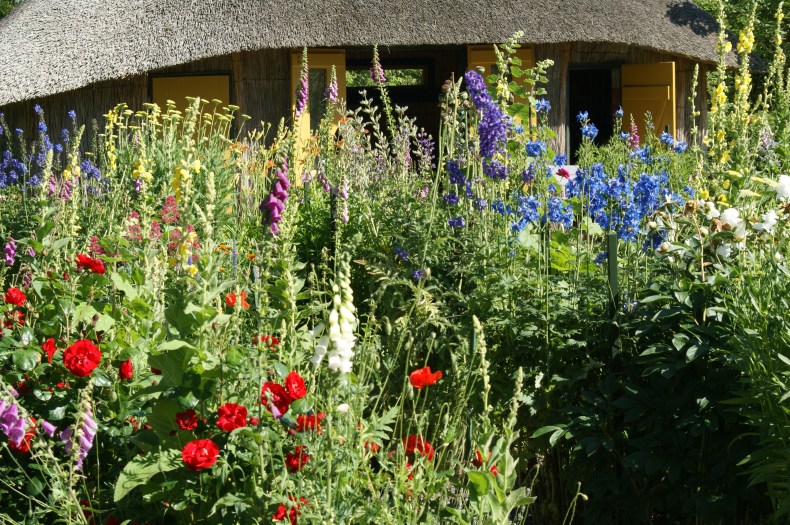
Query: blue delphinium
(451, 199)
(89, 170)
(536, 148)
(401, 254)
(542, 106)
(601, 257)
(589, 131)
(559, 213)
(454, 170)
(624, 135)
(456, 222)
(667, 139)
(494, 169)
(560, 159)
(680, 147)
(72, 114)
(582, 116)
(528, 175)
(619, 113)
(481, 204)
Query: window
(396, 77)
(178, 87)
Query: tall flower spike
(303, 90)
(376, 71)
(330, 93)
(342, 320)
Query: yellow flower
(192, 269)
(172, 262)
(726, 185)
(725, 157)
(704, 194)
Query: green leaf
(123, 283)
(173, 345)
(478, 484)
(101, 379)
(143, 468)
(25, 359)
(545, 430)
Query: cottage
(88, 55)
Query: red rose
(276, 398)
(89, 263)
(81, 358)
(125, 370)
(294, 384)
(231, 416)
(13, 317)
(187, 420)
(312, 422)
(423, 377)
(24, 445)
(417, 444)
(49, 348)
(296, 460)
(15, 296)
(199, 454)
(254, 421)
(230, 299)
(562, 172)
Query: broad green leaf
(123, 283)
(143, 468)
(478, 484)
(25, 359)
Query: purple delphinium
(9, 252)
(418, 274)
(401, 254)
(274, 205)
(494, 169)
(456, 222)
(451, 199)
(494, 124)
(89, 428)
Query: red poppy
(187, 420)
(231, 416)
(296, 460)
(423, 377)
(15, 296)
(125, 370)
(293, 513)
(24, 445)
(85, 262)
(479, 462)
(49, 348)
(266, 340)
(311, 422)
(200, 454)
(81, 358)
(417, 444)
(231, 299)
(276, 398)
(372, 447)
(294, 384)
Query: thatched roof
(50, 47)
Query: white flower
(783, 188)
(321, 347)
(778, 257)
(731, 217)
(769, 222)
(343, 407)
(710, 210)
(725, 250)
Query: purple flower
(48, 428)
(303, 90)
(401, 254)
(494, 169)
(451, 199)
(330, 93)
(11, 424)
(418, 274)
(376, 71)
(456, 222)
(273, 205)
(89, 428)
(9, 252)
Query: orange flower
(231, 299)
(423, 377)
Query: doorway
(590, 90)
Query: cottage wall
(568, 55)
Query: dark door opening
(589, 90)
